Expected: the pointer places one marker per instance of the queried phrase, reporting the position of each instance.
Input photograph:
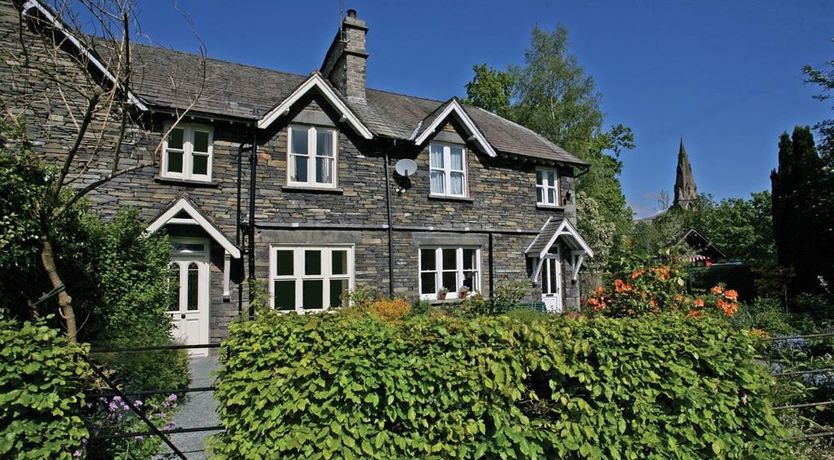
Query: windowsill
(465, 199)
(186, 182)
(446, 301)
(311, 189)
(551, 207)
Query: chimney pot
(351, 13)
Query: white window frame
(438, 271)
(299, 277)
(546, 186)
(447, 170)
(312, 139)
(188, 153)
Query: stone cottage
(316, 184)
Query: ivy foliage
(435, 386)
(41, 392)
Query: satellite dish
(406, 167)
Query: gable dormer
(345, 61)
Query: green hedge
(41, 397)
(331, 386)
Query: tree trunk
(64, 299)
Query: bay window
(547, 187)
(187, 153)
(450, 268)
(309, 278)
(311, 156)
(447, 165)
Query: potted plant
(441, 293)
(463, 292)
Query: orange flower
(716, 290)
(731, 294)
(620, 286)
(695, 313)
(729, 308)
(652, 305)
(663, 272)
(636, 273)
(699, 303)
(599, 291)
(596, 304)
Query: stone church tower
(686, 192)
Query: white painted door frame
(552, 281)
(191, 325)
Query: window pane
(427, 283)
(427, 261)
(436, 156)
(337, 287)
(450, 259)
(339, 262)
(438, 185)
(324, 170)
(284, 263)
(450, 281)
(539, 177)
(175, 139)
(456, 183)
(551, 196)
(300, 168)
(553, 266)
(193, 285)
(539, 195)
(200, 164)
(469, 259)
(457, 158)
(201, 141)
(299, 141)
(551, 178)
(324, 143)
(469, 278)
(312, 293)
(312, 262)
(174, 161)
(174, 287)
(284, 295)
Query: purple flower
(84, 442)
(137, 403)
(77, 453)
(172, 398)
(170, 425)
(139, 438)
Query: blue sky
(724, 75)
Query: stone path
(199, 409)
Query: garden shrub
(41, 392)
(390, 309)
(437, 386)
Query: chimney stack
(345, 62)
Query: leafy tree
(802, 216)
(552, 95)
(598, 232)
(825, 79)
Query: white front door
(190, 303)
(552, 282)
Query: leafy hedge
(41, 397)
(336, 386)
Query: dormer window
(187, 153)
(547, 187)
(311, 156)
(447, 163)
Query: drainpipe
(491, 269)
(390, 227)
(240, 151)
(253, 170)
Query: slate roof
(171, 79)
(540, 242)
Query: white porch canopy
(554, 229)
(183, 212)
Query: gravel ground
(199, 409)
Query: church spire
(686, 192)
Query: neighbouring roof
(172, 79)
(700, 244)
